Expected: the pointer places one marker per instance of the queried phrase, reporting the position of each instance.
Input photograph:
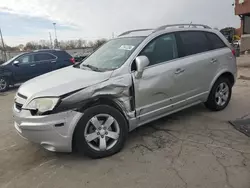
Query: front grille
(18, 106)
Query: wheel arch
(7, 74)
(225, 74)
(104, 100)
(100, 100)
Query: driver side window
(161, 49)
(25, 59)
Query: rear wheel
(220, 95)
(101, 132)
(4, 84)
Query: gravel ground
(192, 148)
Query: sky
(32, 20)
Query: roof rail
(48, 49)
(42, 50)
(182, 26)
(131, 31)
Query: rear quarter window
(63, 55)
(215, 41)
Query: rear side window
(194, 42)
(62, 55)
(215, 41)
(44, 57)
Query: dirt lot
(193, 148)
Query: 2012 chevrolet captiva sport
(140, 76)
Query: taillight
(233, 52)
(72, 60)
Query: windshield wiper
(92, 67)
(77, 65)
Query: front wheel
(101, 132)
(220, 95)
(4, 84)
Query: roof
(169, 28)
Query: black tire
(211, 101)
(79, 141)
(4, 79)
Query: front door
(25, 69)
(162, 83)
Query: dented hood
(62, 81)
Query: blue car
(31, 64)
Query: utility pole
(51, 44)
(56, 42)
(190, 23)
(4, 51)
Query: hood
(62, 81)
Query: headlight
(42, 104)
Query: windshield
(112, 54)
(10, 60)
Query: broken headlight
(43, 105)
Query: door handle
(213, 61)
(53, 61)
(33, 65)
(179, 71)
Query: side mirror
(141, 62)
(16, 62)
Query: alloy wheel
(222, 94)
(102, 132)
(3, 84)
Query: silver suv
(134, 79)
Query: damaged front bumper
(54, 132)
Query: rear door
(63, 60)
(221, 55)
(197, 63)
(44, 62)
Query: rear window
(215, 41)
(194, 42)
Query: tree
(84, 43)
(44, 44)
(99, 43)
(63, 44)
(31, 46)
(90, 44)
(79, 43)
(20, 47)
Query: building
(242, 9)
